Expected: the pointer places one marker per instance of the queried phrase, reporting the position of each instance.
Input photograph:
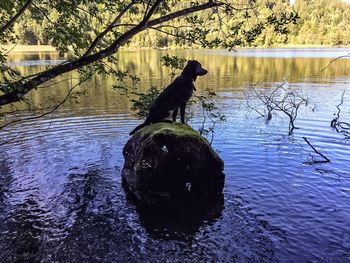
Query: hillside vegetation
(320, 23)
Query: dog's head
(193, 69)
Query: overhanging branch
(27, 86)
(100, 36)
(15, 17)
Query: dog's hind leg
(182, 112)
(175, 114)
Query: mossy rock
(171, 165)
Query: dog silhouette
(175, 96)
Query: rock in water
(169, 165)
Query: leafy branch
(20, 88)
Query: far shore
(49, 48)
(29, 48)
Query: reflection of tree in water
(225, 71)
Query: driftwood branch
(335, 59)
(326, 160)
(334, 122)
(281, 99)
(341, 126)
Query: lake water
(61, 198)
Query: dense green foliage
(321, 22)
(90, 33)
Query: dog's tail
(138, 127)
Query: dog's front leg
(182, 112)
(175, 114)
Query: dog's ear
(192, 65)
(193, 69)
(190, 69)
(199, 70)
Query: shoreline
(49, 48)
(30, 48)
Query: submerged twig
(326, 160)
(335, 59)
(281, 99)
(341, 126)
(334, 122)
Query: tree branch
(43, 114)
(108, 29)
(151, 10)
(15, 17)
(326, 160)
(183, 12)
(18, 94)
(171, 34)
(335, 59)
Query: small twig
(8, 51)
(341, 126)
(335, 59)
(43, 114)
(102, 34)
(326, 160)
(334, 122)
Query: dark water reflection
(61, 198)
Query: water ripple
(61, 198)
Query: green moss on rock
(172, 129)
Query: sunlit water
(61, 198)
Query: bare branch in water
(326, 160)
(335, 59)
(281, 99)
(341, 126)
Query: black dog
(175, 96)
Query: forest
(319, 23)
